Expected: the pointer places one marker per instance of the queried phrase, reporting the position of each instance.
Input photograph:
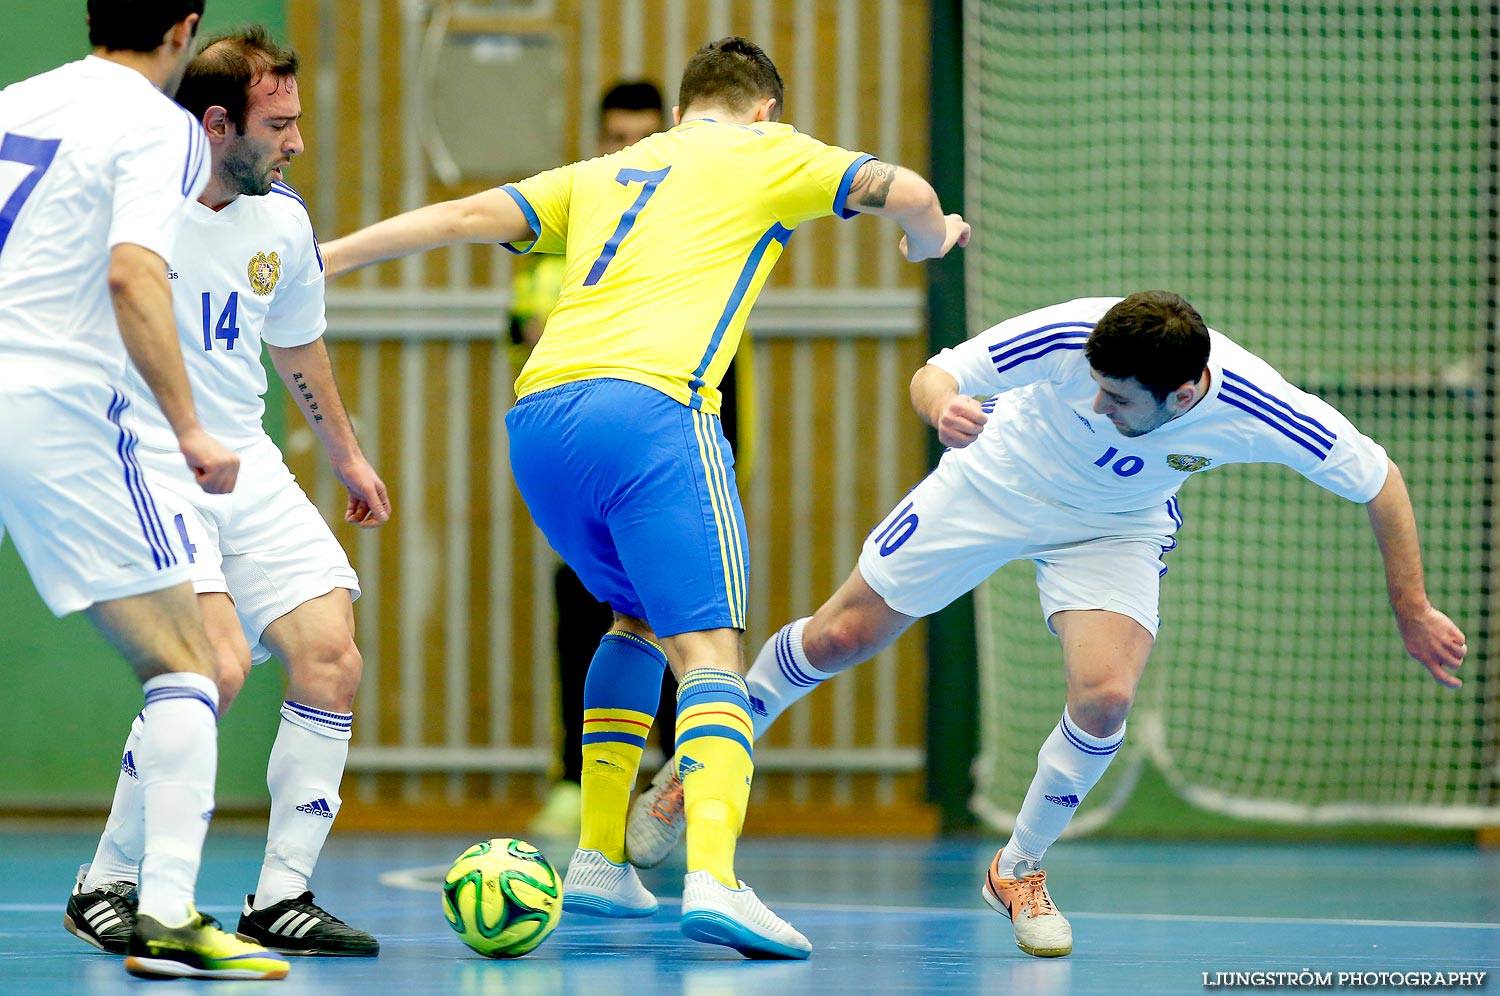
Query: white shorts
(84, 519)
(265, 543)
(947, 535)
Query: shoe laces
(667, 806)
(1034, 897)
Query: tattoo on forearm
(307, 397)
(872, 184)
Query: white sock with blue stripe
(179, 758)
(780, 675)
(1069, 764)
(303, 774)
(118, 857)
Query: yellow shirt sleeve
(817, 179)
(544, 199)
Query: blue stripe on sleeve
(1039, 353)
(193, 159)
(531, 219)
(844, 184)
(1312, 425)
(1025, 340)
(1280, 427)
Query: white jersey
(92, 155)
(246, 274)
(1044, 439)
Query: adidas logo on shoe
(320, 808)
(1070, 801)
(127, 765)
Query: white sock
(118, 857)
(180, 756)
(1069, 764)
(780, 676)
(306, 766)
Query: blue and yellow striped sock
(619, 701)
(715, 761)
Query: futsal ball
(502, 897)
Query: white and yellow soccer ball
(502, 897)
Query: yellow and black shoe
(198, 950)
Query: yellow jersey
(667, 244)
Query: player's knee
(842, 641)
(326, 675)
(1103, 708)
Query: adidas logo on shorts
(320, 808)
(127, 765)
(1071, 801)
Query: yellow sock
(619, 703)
(716, 764)
(609, 771)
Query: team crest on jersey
(1186, 462)
(264, 270)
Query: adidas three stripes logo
(318, 807)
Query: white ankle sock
(780, 676)
(303, 774)
(179, 758)
(1069, 764)
(118, 857)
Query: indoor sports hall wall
(1319, 181)
(70, 697)
(405, 106)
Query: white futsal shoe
(1023, 898)
(656, 819)
(716, 914)
(597, 886)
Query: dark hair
(631, 95)
(1155, 337)
(733, 72)
(227, 66)
(136, 25)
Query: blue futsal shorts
(636, 492)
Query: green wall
(71, 696)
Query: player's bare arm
(308, 375)
(489, 216)
(958, 418)
(1429, 635)
(896, 192)
(143, 309)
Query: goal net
(1317, 180)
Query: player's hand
(1433, 639)
(959, 421)
(955, 233)
(369, 506)
(213, 464)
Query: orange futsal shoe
(1040, 929)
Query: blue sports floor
(884, 917)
